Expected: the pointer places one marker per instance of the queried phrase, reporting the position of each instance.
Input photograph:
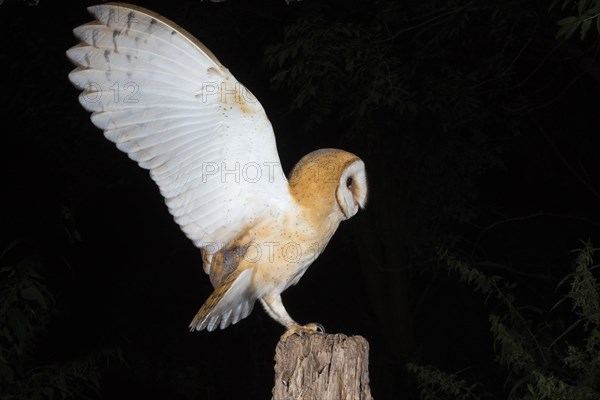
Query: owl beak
(344, 212)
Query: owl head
(330, 179)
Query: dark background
(488, 146)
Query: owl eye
(349, 182)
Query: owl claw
(302, 329)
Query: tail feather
(229, 303)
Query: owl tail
(228, 303)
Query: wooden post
(323, 367)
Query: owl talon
(302, 329)
(318, 328)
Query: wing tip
(111, 4)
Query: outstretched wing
(166, 101)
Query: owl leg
(274, 307)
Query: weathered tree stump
(322, 367)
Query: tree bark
(322, 367)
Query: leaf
(567, 21)
(558, 303)
(598, 24)
(569, 329)
(33, 274)
(31, 293)
(566, 30)
(281, 57)
(12, 245)
(585, 27)
(18, 324)
(565, 279)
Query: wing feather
(126, 118)
(164, 99)
(228, 303)
(106, 59)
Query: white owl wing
(166, 101)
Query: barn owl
(164, 99)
